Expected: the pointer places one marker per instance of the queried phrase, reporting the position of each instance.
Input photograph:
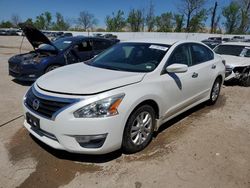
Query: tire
(215, 92)
(138, 134)
(51, 67)
(245, 81)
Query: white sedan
(119, 98)
(237, 57)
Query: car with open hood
(119, 98)
(48, 55)
(237, 58)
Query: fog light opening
(91, 141)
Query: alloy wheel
(141, 128)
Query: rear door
(203, 63)
(100, 45)
(84, 49)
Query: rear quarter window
(101, 44)
(229, 50)
(200, 54)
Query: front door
(181, 89)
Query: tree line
(193, 16)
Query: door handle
(195, 75)
(213, 66)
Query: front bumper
(21, 72)
(24, 77)
(229, 74)
(61, 133)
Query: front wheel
(139, 129)
(215, 92)
(51, 67)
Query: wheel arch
(149, 102)
(220, 77)
(50, 65)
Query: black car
(49, 55)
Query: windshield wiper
(112, 68)
(107, 67)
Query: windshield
(234, 50)
(132, 57)
(61, 44)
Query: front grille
(14, 67)
(45, 106)
(14, 74)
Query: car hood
(82, 79)
(35, 37)
(236, 61)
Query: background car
(62, 35)
(119, 98)
(3, 32)
(212, 42)
(10, 32)
(237, 57)
(237, 39)
(49, 55)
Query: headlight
(30, 61)
(102, 108)
(229, 67)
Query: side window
(84, 46)
(100, 44)
(180, 56)
(200, 54)
(247, 53)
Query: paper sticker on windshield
(67, 42)
(157, 47)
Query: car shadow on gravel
(111, 156)
(23, 83)
(193, 113)
(78, 157)
(231, 83)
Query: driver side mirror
(177, 68)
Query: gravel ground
(208, 146)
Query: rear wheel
(215, 92)
(139, 129)
(51, 67)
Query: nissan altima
(119, 98)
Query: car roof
(80, 37)
(160, 41)
(237, 43)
